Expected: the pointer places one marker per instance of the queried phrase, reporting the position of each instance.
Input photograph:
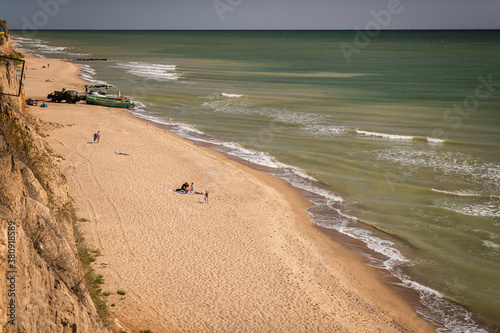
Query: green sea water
(394, 137)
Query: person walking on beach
(192, 188)
(95, 137)
(99, 135)
(206, 196)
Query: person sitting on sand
(184, 188)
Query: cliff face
(44, 289)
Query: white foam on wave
(140, 113)
(41, 46)
(237, 106)
(38, 47)
(491, 210)
(379, 245)
(303, 182)
(297, 118)
(457, 193)
(491, 244)
(231, 95)
(262, 158)
(385, 136)
(160, 72)
(481, 176)
(430, 298)
(184, 130)
(419, 287)
(139, 106)
(88, 73)
(24, 39)
(433, 140)
(461, 321)
(47, 49)
(325, 130)
(147, 117)
(445, 163)
(76, 54)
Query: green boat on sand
(111, 101)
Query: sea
(394, 136)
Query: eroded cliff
(44, 288)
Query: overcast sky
(251, 14)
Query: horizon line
(401, 29)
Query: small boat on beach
(108, 100)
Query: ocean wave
(230, 106)
(26, 40)
(262, 158)
(231, 95)
(399, 137)
(38, 47)
(287, 117)
(160, 72)
(379, 245)
(296, 118)
(139, 106)
(75, 54)
(430, 298)
(88, 73)
(293, 175)
(458, 193)
(47, 49)
(325, 130)
(461, 321)
(433, 140)
(490, 210)
(491, 244)
(385, 136)
(450, 164)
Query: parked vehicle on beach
(68, 95)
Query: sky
(33, 15)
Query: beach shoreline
(256, 212)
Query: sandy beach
(248, 260)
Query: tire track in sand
(89, 172)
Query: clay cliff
(44, 289)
